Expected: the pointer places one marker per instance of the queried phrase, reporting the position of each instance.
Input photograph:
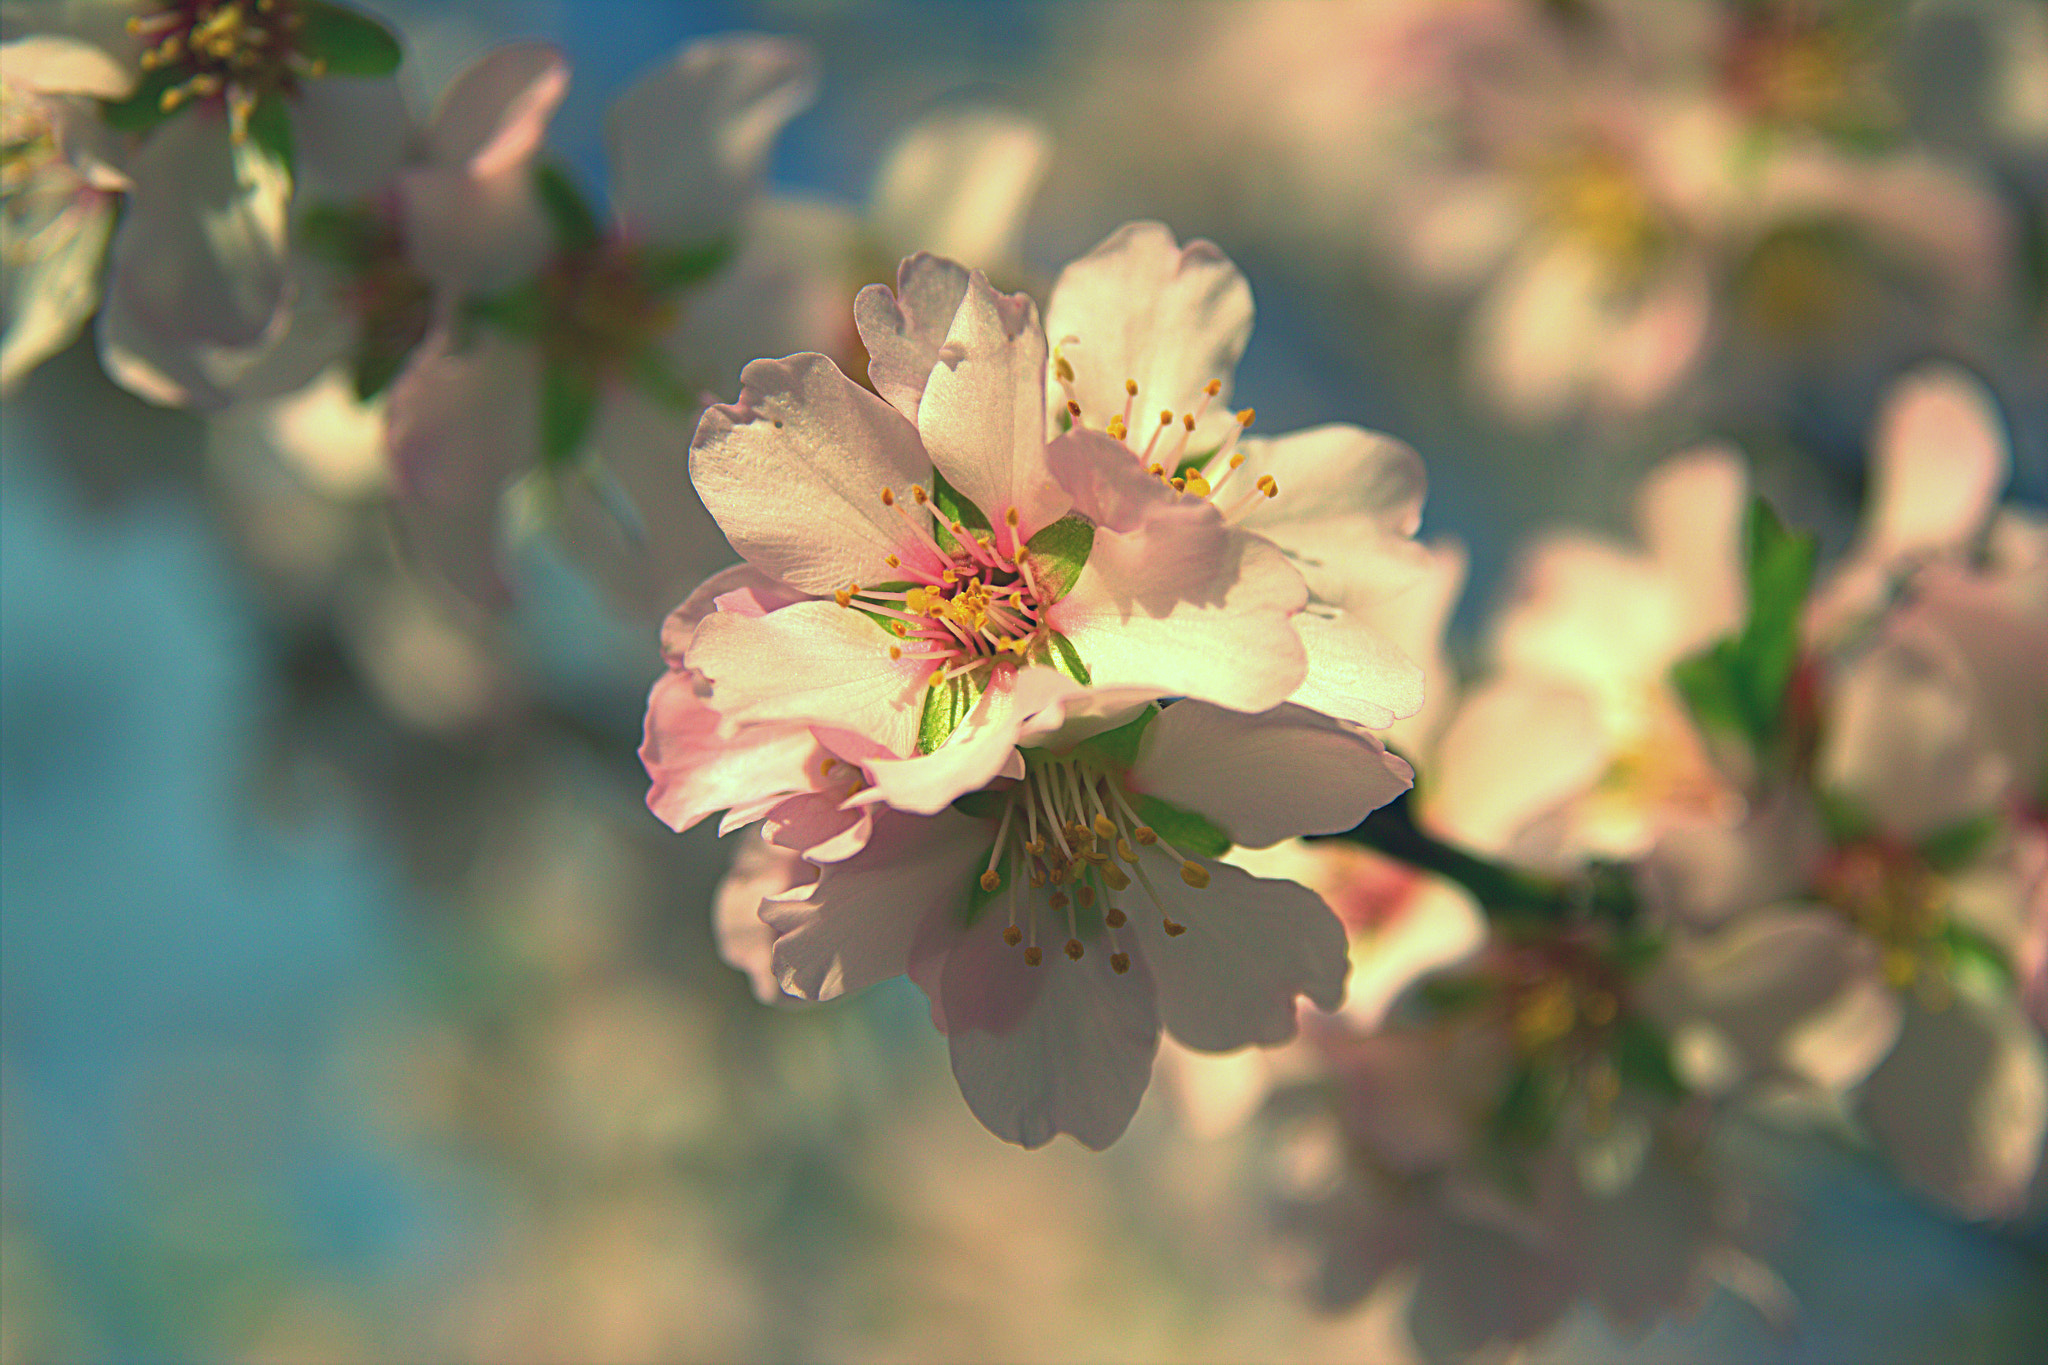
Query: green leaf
(652, 373)
(567, 211)
(1061, 654)
(945, 708)
(1529, 1106)
(1194, 835)
(1195, 463)
(953, 508)
(270, 131)
(349, 42)
(375, 367)
(1974, 954)
(1058, 553)
(983, 804)
(679, 267)
(568, 405)
(516, 311)
(1737, 686)
(1959, 845)
(1445, 995)
(1642, 1056)
(978, 896)
(1119, 747)
(144, 109)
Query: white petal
(794, 474)
(759, 870)
(1939, 455)
(1514, 750)
(1215, 627)
(688, 141)
(1348, 505)
(55, 289)
(903, 329)
(742, 588)
(1143, 308)
(1961, 1104)
(1355, 673)
(857, 927)
(50, 64)
(1265, 777)
(697, 764)
(982, 417)
(1065, 1047)
(1252, 947)
(958, 184)
(981, 749)
(815, 662)
(495, 113)
(348, 135)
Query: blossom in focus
(962, 549)
(58, 194)
(1059, 919)
(606, 337)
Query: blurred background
(352, 1006)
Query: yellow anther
(1037, 878)
(957, 529)
(1156, 469)
(990, 880)
(1194, 874)
(1085, 894)
(842, 597)
(1114, 917)
(1105, 826)
(902, 631)
(1073, 409)
(888, 498)
(1166, 417)
(1173, 930)
(1010, 516)
(919, 495)
(1269, 485)
(1187, 419)
(171, 98)
(1074, 949)
(1116, 429)
(1035, 847)
(1013, 936)
(1119, 963)
(1236, 459)
(915, 600)
(892, 561)
(1058, 900)
(1197, 485)
(948, 576)
(318, 68)
(826, 765)
(1131, 387)
(1245, 416)
(1213, 387)
(1113, 876)
(1032, 956)
(895, 652)
(1144, 835)
(1062, 368)
(1179, 484)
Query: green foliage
(1957, 846)
(952, 509)
(1119, 747)
(1737, 687)
(270, 131)
(1058, 553)
(568, 405)
(1194, 835)
(680, 267)
(1062, 655)
(946, 707)
(144, 109)
(567, 211)
(349, 42)
(1642, 1056)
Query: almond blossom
(60, 193)
(981, 548)
(608, 335)
(1102, 853)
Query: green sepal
(1642, 1056)
(516, 311)
(1196, 463)
(1061, 654)
(270, 131)
(1452, 995)
(374, 367)
(884, 622)
(1058, 554)
(1737, 687)
(1119, 747)
(1973, 954)
(680, 267)
(1193, 834)
(978, 896)
(1956, 846)
(982, 804)
(945, 708)
(1529, 1105)
(953, 508)
(651, 373)
(1843, 817)
(351, 43)
(568, 212)
(144, 109)
(568, 406)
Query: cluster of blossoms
(1004, 673)
(1767, 854)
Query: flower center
(1165, 453)
(969, 607)
(1596, 199)
(599, 310)
(1891, 895)
(1070, 842)
(239, 50)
